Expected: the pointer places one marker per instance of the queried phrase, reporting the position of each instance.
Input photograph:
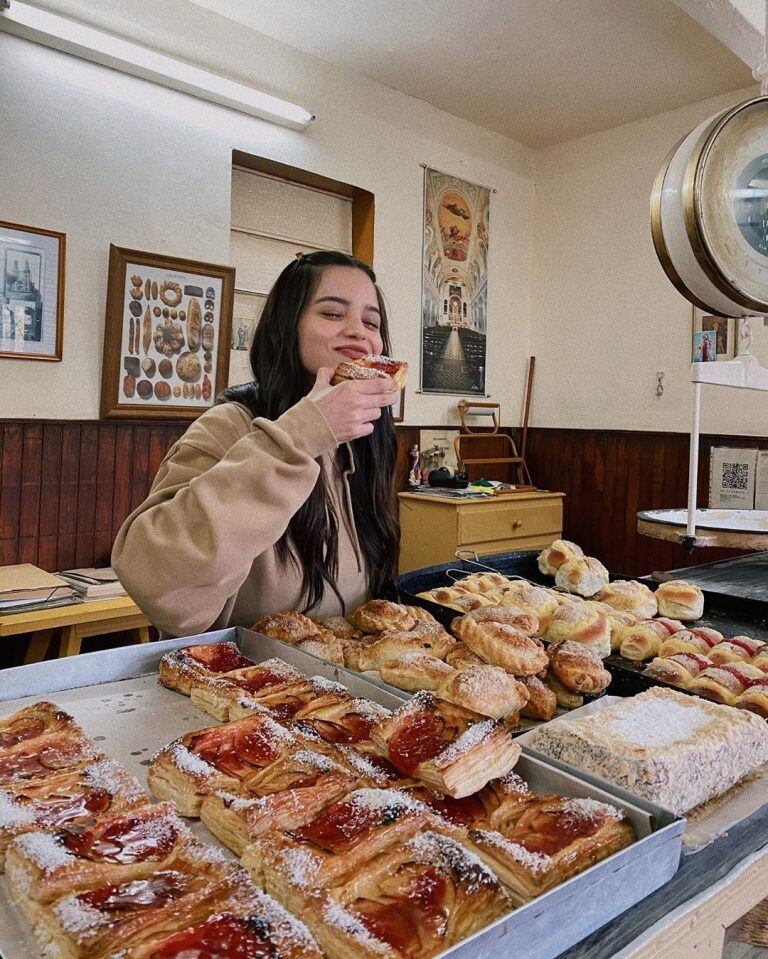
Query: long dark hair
(311, 541)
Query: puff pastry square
(451, 749)
(61, 747)
(220, 758)
(414, 901)
(335, 844)
(216, 694)
(44, 866)
(250, 924)
(181, 667)
(284, 702)
(338, 718)
(90, 924)
(74, 797)
(541, 841)
(284, 795)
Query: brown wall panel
(66, 487)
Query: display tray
(729, 614)
(124, 689)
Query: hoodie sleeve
(224, 494)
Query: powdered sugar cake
(674, 750)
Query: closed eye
(333, 316)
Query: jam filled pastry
(699, 639)
(250, 925)
(724, 684)
(216, 694)
(370, 367)
(583, 575)
(629, 596)
(380, 614)
(335, 845)
(578, 667)
(337, 717)
(285, 795)
(487, 690)
(372, 771)
(412, 902)
(179, 669)
(680, 600)
(581, 624)
(645, 638)
(451, 749)
(561, 551)
(68, 798)
(553, 839)
(283, 702)
(415, 671)
(90, 924)
(221, 758)
(735, 649)
(677, 670)
(501, 645)
(755, 697)
(32, 722)
(44, 866)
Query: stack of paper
(92, 583)
(27, 587)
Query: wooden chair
(469, 441)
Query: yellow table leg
(71, 640)
(38, 646)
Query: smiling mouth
(353, 352)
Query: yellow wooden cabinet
(434, 527)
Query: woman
(281, 496)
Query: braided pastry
(578, 667)
(501, 645)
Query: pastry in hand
(583, 575)
(581, 624)
(644, 639)
(416, 900)
(179, 668)
(452, 749)
(285, 795)
(680, 600)
(501, 645)
(554, 838)
(556, 554)
(629, 596)
(578, 667)
(487, 690)
(370, 367)
(698, 639)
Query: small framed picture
(31, 292)
(398, 408)
(724, 330)
(167, 335)
(704, 347)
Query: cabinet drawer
(509, 521)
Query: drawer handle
(517, 524)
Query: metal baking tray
(123, 693)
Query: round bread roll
(487, 690)
(552, 558)
(578, 667)
(581, 624)
(680, 600)
(629, 596)
(583, 575)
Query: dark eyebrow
(339, 299)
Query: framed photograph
(704, 347)
(31, 292)
(724, 330)
(167, 335)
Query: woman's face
(341, 321)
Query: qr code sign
(735, 475)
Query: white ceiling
(539, 71)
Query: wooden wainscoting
(67, 486)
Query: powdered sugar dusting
(649, 723)
(362, 765)
(13, 814)
(328, 685)
(385, 799)
(109, 775)
(591, 809)
(77, 917)
(187, 761)
(370, 710)
(285, 927)
(443, 851)
(536, 862)
(468, 740)
(44, 850)
(300, 866)
(336, 915)
(316, 760)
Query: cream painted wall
(107, 158)
(605, 317)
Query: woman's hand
(353, 406)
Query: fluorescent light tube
(87, 43)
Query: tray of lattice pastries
(648, 634)
(364, 824)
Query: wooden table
(93, 618)
(433, 527)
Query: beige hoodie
(198, 554)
